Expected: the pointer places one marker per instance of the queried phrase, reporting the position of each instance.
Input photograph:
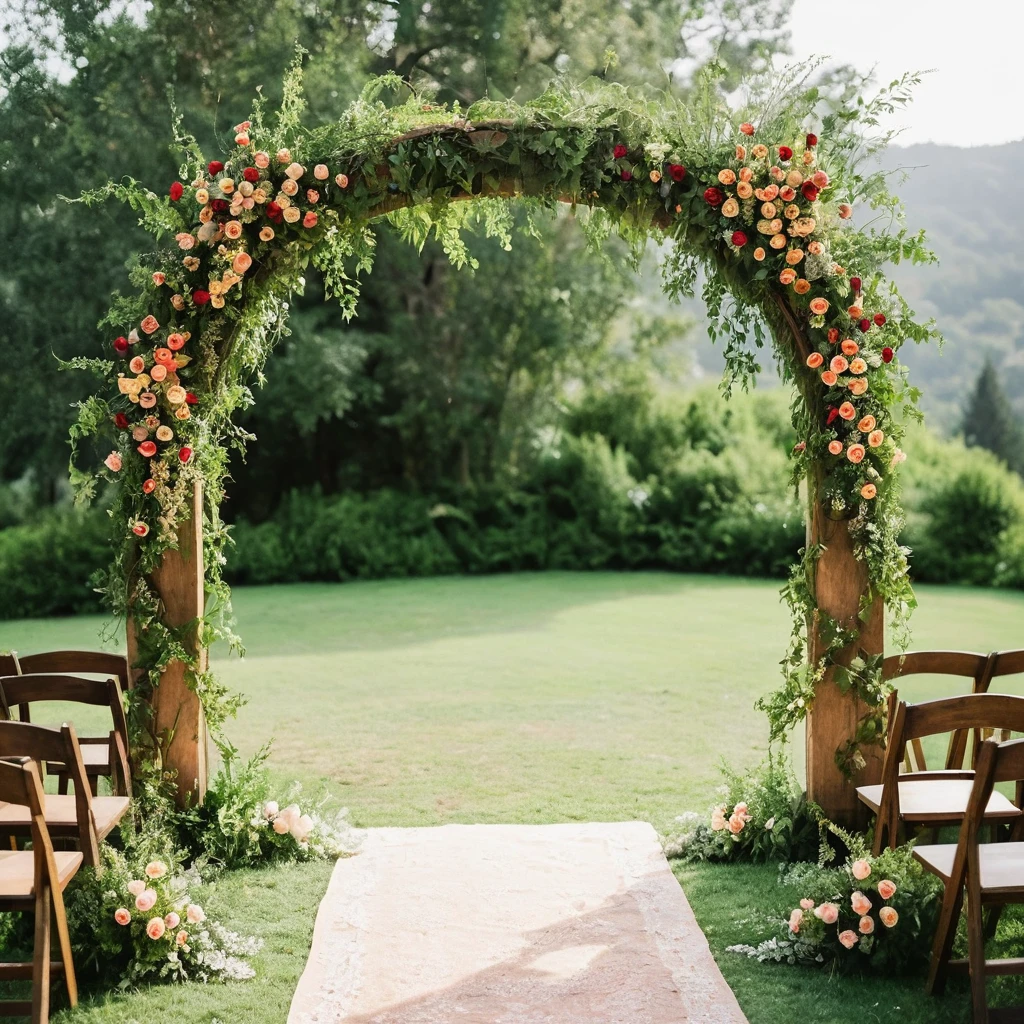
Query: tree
(989, 420)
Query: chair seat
(61, 815)
(1002, 864)
(938, 800)
(17, 872)
(95, 757)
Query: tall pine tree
(989, 420)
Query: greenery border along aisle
(761, 201)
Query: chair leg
(992, 920)
(62, 783)
(64, 940)
(945, 934)
(41, 959)
(976, 959)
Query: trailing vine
(759, 202)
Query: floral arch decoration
(761, 201)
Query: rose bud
(120, 421)
(620, 151)
(176, 191)
(627, 175)
(855, 283)
(191, 399)
(812, 140)
(887, 354)
(121, 346)
(833, 415)
(747, 128)
(845, 211)
(865, 325)
(739, 239)
(185, 454)
(148, 486)
(214, 167)
(785, 153)
(879, 319)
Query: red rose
(251, 174)
(739, 239)
(176, 191)
(185, 454)
(887, 354)
(200, 297)
(627, 175)
(880, 319)
(215, 167)
(810, 191)
(676, 172)
(865, 325)
(120, 346)
(833, 413)
(785, 153)
(855, 283)
(147, 449)
(121, 421)
(812, 140)
(274, 212)
(191, 399)
(620, 151)
(713, 196)
(219, 206)
(833, 334)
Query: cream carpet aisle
(510, 924)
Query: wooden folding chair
(79, 663)
(81, 817)
(9, 664)
(103, 756)
(34, 882)
(991, 875)
(978, 668)
(936, 798)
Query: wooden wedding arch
(694, 174)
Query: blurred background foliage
(548, 410)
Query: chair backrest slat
(1009, 663)
(938, 663)
(9, 665)
(968, 711)
(29, 689)
(100, 663)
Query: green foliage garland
(752, 201)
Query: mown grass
(527, 698)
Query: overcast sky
(975, 96)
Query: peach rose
(158, 373)
(858, 365)
(341, 180)
(802, 286)
(845, 211)
(655, 175)
(788, 277)
(727, 176)
(848, 939)
(163, 433)
(730, 208)
(829, 379)
(159, 278)
(898, 456)
(806, 904)
(172, 920)
(875, 438)
(787, 194)
(777, 173)
(768, 210)
(233, 229)
(155, 928)
(181, 938)
(860, 869)
(850, 347)
(795, 918)
(292, 214)
(140, 434)
(280, 826)
(888, 916)
(866, 925)
(886, 889)
(146, 900)
(815, 248)
(284, 156)
(261, 160)
(858, 386)
(820, 178)
(746, 174)
(147, 399)
(295, 171)
(321, 173)
(718, 820)
(185, 240)
(744, 190)
(176, 394)
(804, 226)
(226, 185)
(827, 913)
(241, 139)
(150, 324)
(866, 424)
(113, 462)
(778, 242)
(808, 158)
(137, 364)
(847, 411)
(794, 256)
(122, 917)
(855, 453)
(137, 886)
(759, 152)
(290, 188)
(770, 192)
(194, 914)
(869, 491)
(838, 364)
(859, 903)
(759, 254)
(815, 359)
(266, 234)
(205, 215)
(741, 153)
(835, 447)
(736, 824)
(819, 306)
(794, 178)
(855, 312)
(241, 263)
(182, 412)
(791, 211)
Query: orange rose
(746, 174)
(727, 176)
(875, 438)
(828, 378)
(866, 425)
(838, 364)
(794, 256)
(802, 287)
(744, 189)
(858, 365)
(847, 411)
(850, 347)
(815, 359)
(778, 242)
(855, 453)
(858, 386)
(241, 263)
(855, 312)
(787, 276)
(759, 254)
(150, 324)
(868, 491)
(819, 306)
(835, 447)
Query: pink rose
(309, 221)
(807, 904)
(262, 160)
(146, 900)
(848, 939)
(794, 920)
(295, 171)
(281, 827)
(156, 928)
(172, 920)
(867, 925)
(341, 180)
(194, 914)
(859, 903)
(185, 240)
(888, 916)
(718, 819)
(122, 917)
(827, 913)
(321, 173)
(181, 938)
(886, 889)
(159, 278)
(736, 823)
(137, 887)
(241, 263)
(861, 869)
(113, 462)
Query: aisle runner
(510, 924)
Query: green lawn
(527, 698)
